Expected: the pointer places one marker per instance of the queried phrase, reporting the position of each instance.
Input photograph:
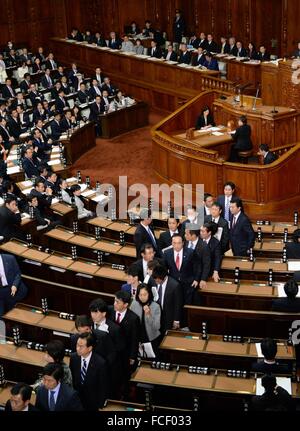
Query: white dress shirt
(2, 273)
(145, 267)
(102, 326)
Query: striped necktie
(83, 371)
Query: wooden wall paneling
(60, 18)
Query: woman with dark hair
(149, 313)
(251, 51)
(205, 120)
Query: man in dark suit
(12, 288)
(211, 45)
(47, 81)
(269, 157)
(107, 86)
(66, 122)
(263, 55)
(241, 51)
(241, 138)
(25, 84)
(20, 399)
(61, 103)
(165, 238)
(293, 248)
(34, 96)
(41, 146)
(290, 304)
(225, 199)
(210, 62)
(55, 127)
(96, 109)
(147, 254)
(185, 56)
(7, 91)
(203, 40)
(10, 219)
(183, 266)
(207, 203)
(14, 125)
(83, 95)
(275, 398)
(207, 232)
(154, 51)
(129, 324)
(170, 298)
(170, 54)
(94, 90)
(89, 373)
(50, 63)
(54, 395)
(8, 139)
(199, 59)
(242, 236)
(99, 40)
(192, 217)
(144, 234)
(224, 48)
(178, 26)
(269, 365)
(30, 165)
(223, 230)
(44, 198)
(232, 47)
(114, 42)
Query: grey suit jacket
(152, 323)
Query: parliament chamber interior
(161, 307)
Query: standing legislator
(242, 139)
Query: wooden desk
(79, 142)
(124, 120)
(189, 348)
(258, 269)
(161, 84)
(243, 72)
(245, 323)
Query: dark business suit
(178, 28)
(141, 236)
(43, 147)
(44, 201)
(241, 53)
(61, 104)
(93, 391)
(222, 201)
(172, 305)
(56, 130)
(155, 53)
(111, 89)
(199, 60)
(65, 124)
(13, 277)
(15, 128)
(212, 64)
(201, 121)
(189, 271)
(224, 241)
(270, 158)
(293, 250)
(67, 399)
(212, 47)
(31, 407)
(24, 86)
(263, 57)
(45, 83)
(35, 97)
(6, 94)
(185, 57)
(93, 93)
(30, 167)
(232, 50)
(242, 139)
(173, 56)
(286, 305)
(165, 240)
(116, 44)
(51, 66)
(203, 43)
(225, 49)
(265, 368)
(279, 401)
(96, 110)
(100, 41)
(215, 254)
(9, 223)
(242, 236)
(83, 96)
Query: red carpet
(129, 154)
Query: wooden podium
(281, 83)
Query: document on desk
(54, 162)
(171, 62)
(294, 265)
(217, 133)
(13, 170)
(88, 193)
(27, 191)
(284, 382)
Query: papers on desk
(72, 180)
(146, 351)
(221, 55)
(88, 193)
(25, 216)
(12, 157)
(284, 382)
(83, 187)
(142, 56)
(26, 184)
(217, 133)
(294, 265)
(214, 129)
(153, 58)
(55, 149)
(281, 292)
(171, 62)
(54, 201)
(100, 198)
(252, 62)
(54, 162)
(104, 48)
(13, 170)
(230, 57)
(185, 66)
(27, 191)
(258, 350)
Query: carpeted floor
(129, 154)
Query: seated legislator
(148, 31)
(170, 54)
(99, 40)
(224, 48)
(154, 51)
(232, 46)
(127, 45)
(185, 55)
(138, 48)
(29, 163)
(296, 53)
(275, 398)
(55, 127)
(20, 399)
(76, 35)
(241, 51)
(10, 219)
(12, 288)
(242, 139)
(242, 236)
(114, 42)
(290, 304)
(269, 157)
(211, 45)
(268, 364)
(149, 313)
(251, 51)
(133, 29)
(210, 62)
(199, 59)
(263, 55)
(83, 95)
(205, 120)
(194, 41)
(82, 212)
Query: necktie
(177, 262)
(152, 237)
(233, 223)
(11, 92)
(159, 291)
(97, 326)
(227, 209)
(191, 244)
(83, 371)
(52, 401)
(118, 317)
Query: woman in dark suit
(242, 139)
(251, 51)
(205, 120)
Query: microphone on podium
(274, 111)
